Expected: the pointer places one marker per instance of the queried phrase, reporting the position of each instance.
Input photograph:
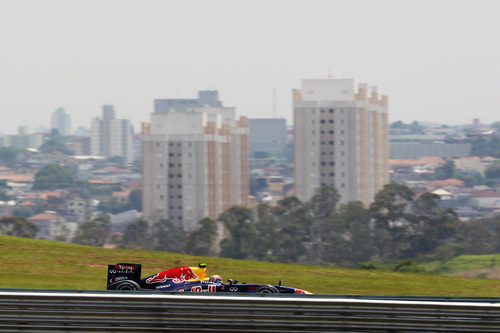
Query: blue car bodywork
(184, 279)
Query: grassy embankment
(36, 264)
(480, 266)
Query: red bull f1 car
(185, 279)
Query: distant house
(435, 184)
(474, 163)
(51, 226)
(75, 207)
(486, 199)
(121, 196)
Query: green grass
(464, 263)
(38, 264)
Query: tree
(168, 237)
(110, 206)
(292, 230)
(493, 172)
(432, 226)
(266, 233)
(137, 235)
(324, 201)
(55, 145)
(391, 222)
(8, 155)
(23, 211)
(93, 233)
(445, 171)
(17, 226)
(486, 146)
(238, 220)
(135, 200)
(353, 232)
(200, 242)
(53, 176)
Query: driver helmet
(215, 278)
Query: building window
(331, 131)
(331, 110)
(157, 144)
(322, 111)
(332, 163)
(332, 174)
(332, 142)
(162, 197)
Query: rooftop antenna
(275, 108)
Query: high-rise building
(267, 138)
(194, 161)
(341, 139)
(110, 136)
(61, 121)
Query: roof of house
(447, 182)
(120, 194)
(485, 194)
(102, 182)
(44, 217)
(18, 177)
(441, 192)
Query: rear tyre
(267, 289)
(128, 285)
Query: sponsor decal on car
(177, 275)
(125, 267)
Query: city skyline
(437, 60)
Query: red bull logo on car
(178, 274)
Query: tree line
(397, 225)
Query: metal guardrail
(66, 311)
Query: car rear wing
(122, 271)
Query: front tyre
(267, 289)
(128, 285)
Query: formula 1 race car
(185, 279)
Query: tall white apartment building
(341, 139)
(110, 136)
(61, 121)
(194, 162)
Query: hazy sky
(436, 60)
